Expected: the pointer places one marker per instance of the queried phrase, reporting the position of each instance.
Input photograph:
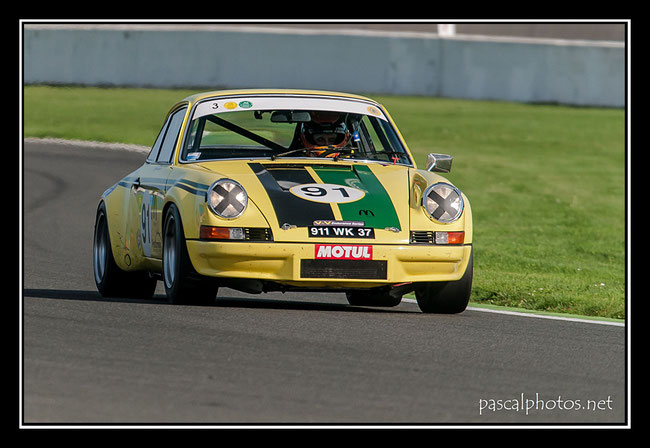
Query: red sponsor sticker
(342, 252)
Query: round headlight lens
(227, 198)
(443, 202)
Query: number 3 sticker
(327, 193)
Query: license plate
(341, 232)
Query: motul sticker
(342, 252)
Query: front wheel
(112, 281)
(183, 285)
(446, 297)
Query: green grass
(546, 183)
(105, 115)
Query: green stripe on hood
(375, 208)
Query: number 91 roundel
(327, 193)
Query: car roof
(288, 92)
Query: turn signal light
(221, 233)
(450, 237)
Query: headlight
(443, 202)
(227, 198)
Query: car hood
(301, 194)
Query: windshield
(292, 133)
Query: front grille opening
(422, 237)
(258, 234)
(344, 269)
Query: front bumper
(285, 263)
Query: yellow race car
(285, 190)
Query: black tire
(112, 281)
(446, 297)
(183, 285)
(369, 298)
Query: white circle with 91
(327, 193)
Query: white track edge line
(89, 144)
(540, 316)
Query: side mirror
(439, 162)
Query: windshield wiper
(327, 152)
(377, 155)
(275, 156)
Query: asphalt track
(287, 359)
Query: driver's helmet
(325, 131)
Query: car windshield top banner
(222, 105)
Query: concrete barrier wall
(214, 57)
(545, 72)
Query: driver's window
(171, 136)
(153, 154)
